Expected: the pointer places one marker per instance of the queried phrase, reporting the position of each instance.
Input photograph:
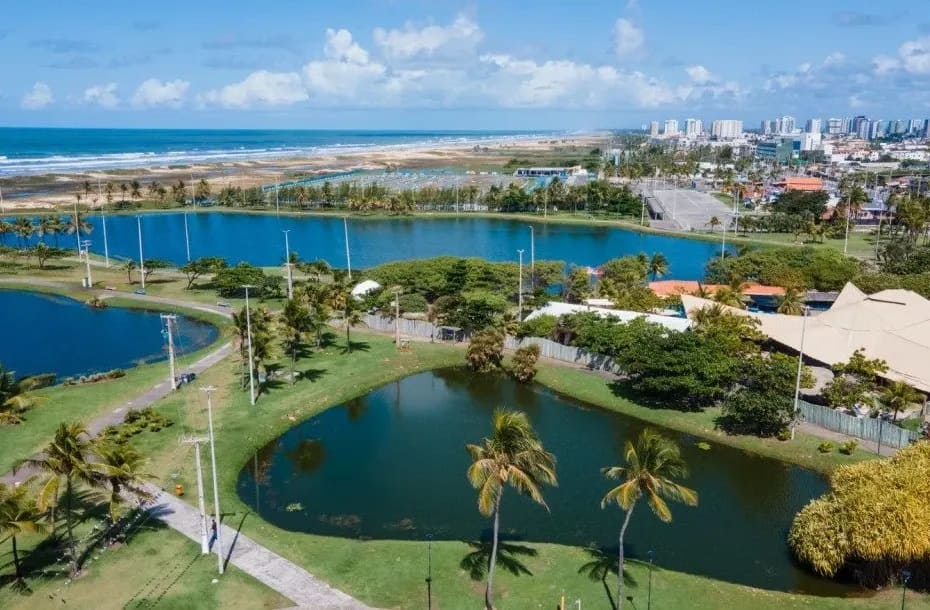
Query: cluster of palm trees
(325, 293)
(514, 456)
(72, 460)
(52, 226)
(133, 191)
(16, 396)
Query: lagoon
(258, 239)
(45, 333)
(391, 465)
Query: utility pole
(848, 205)
(797, 382)
(204, 540)
(287, 254)
(345, 227)
(169, 320)
(397, 318)
(520, 290)
(77, 229)
(187, 238)
(103, 220)
(532, 257)
(141, 258)
(217, 515)
(723, 244)
(248, 330)
(86, 242)
(277, 202)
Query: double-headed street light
(287, 254)
(248, 330)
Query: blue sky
(397, 64)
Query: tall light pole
(169, 319)
(277, 202)
(797, 382)
(532, 256)
(905, 577)
(397, 318)
(187, 238)
(217, 515)
(345, 228)
(106, 243)
(86, 243)
(77, 229)
(723, 244)
(520, 290)
(287, 254)
(141, 258)
(248, 330)
(848, 206)
(204, 540)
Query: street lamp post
(141, 258)
(169, 319)
(77, 229)
(204, 540)
(429, 571)
(106, 243)
(532, 256)
(187, 238)
(651, 555)
(248, 331)
(905, 576)
(287, 254)
(797, 382)
(345, 228)
(217, 515)
(520, 290)
(86, 243)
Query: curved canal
(391, 465)
(54, 334)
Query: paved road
(285, 577)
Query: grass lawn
(391, 573)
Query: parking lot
(690, 209)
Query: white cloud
(462, 35)
(628, 39)
(834, 59)
(102, 95)
(154, 92)
(340, 47)
(915, 55)
(700, 74)
(883, 64)
(856, 101)
(38, 97)
(262, 88)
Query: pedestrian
(213, 536)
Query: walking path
(285, 577)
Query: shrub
(523, 366)
(784, 434)
(541, 326)
(485, 350)
(412, 303)
(848, 447)
(825, 447)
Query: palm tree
(513, 455)
(124, 189)
(124, 473)
(135, 189)
(730, 295)
(652, 466)
(23, 228)
(897, 395)
(713, 223)
(791, 303)
(16, 396)
(108, 191)
(18, 515)
(129, 266)
(65, 457)
(658, 265)
(297, 320)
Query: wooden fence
(865, 428)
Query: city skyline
(480, 65)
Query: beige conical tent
(893, 325)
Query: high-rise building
(726, 129)
(693, 127)
(834, 126)
(915, 126)
(846, 126)
(766, 127)
(671, 127)
(862, 130)
(900, 127)
(813, 126)
(786, 125)
(654, 128)
(876, 129)
(855, 127)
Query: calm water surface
(391, 465)
(54, 334)
(258, 239)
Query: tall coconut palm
(897, 395)
(791, 303)
(129, 266)
(658, 265)
(513, 455)
(124, 473)
(18, 515)
(713, 223)
(124, 190)
(652, 466)
(23, 229)
(297, 321)
(135, 190)
(65, 457)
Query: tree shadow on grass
(508, 554)
(311, 375)
(602, 563)
(356, 346)
(621, 389)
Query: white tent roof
(893, 325)
(363, 288)
(558, 308)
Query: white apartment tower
(786, 125)
(654, 128)
(834, 126)
(693, 127)
(814, 126)
(726, 129)
(671, 127)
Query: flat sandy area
(60, 190)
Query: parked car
(184, 378)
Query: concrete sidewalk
(285, 577)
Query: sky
(438, 64)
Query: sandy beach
(55, 190)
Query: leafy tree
(202, 266)
(764, 402)
(485, 350)
(513, 455)
(229, 281)
(541, 326)
(18, 516)
(872, 522)
(471, 310)
(801, 203)
(155, 264)
(16, 395)
(44, 253)
(651, 469)
(523, 364)
(578, 285)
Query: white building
(834, 126)
(727, 129)
(654, 128)
(693, 127)
(671, 127)
(814, 126)
(810, 141)
(786, 125)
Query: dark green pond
(392, 465)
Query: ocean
(29, 151)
